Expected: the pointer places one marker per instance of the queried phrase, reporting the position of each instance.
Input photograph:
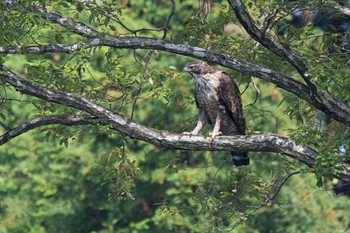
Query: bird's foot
(214, 134)
(189, 133)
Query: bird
(219, 101)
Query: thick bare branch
(46, 120)
(323, 100)
(262, 142)
(76, 27)
(58, 48)
(52, 48)
(271, 43)
(272, 143)
(251, 69)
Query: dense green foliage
(94, 179)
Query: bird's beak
(186, 69)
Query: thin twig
(257, 92)
(268, 199)
(3, 125)
(148, 58)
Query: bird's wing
(231, 98)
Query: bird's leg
(202, 120)
(216, 130)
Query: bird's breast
(206, 95)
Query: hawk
(219, 102)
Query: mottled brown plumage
(219, 102)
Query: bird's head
(196, 68)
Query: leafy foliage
(92, 179)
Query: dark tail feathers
(240, 158)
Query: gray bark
(322, 100)
(96, 114)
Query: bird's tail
(240, 158)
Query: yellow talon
(213, 135)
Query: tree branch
(270, 142)
(322, 101)
(161, 138)
(268, 41)
(268, 199)
(345, 11)
(250, 69)
(57, 48)
(69, 23)
(46, 120)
